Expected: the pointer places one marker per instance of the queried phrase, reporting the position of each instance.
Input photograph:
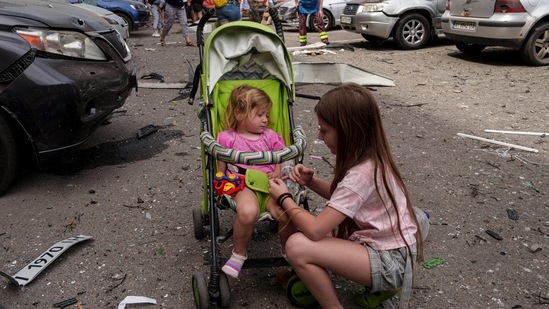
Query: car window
(91, 2)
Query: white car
(518, 24)
(331, 8)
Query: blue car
(133, 12)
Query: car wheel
(372, 39)
(327, 18)
(469, 49)
(535, 50)
(127, 19)
(412, 31)
(8, 155)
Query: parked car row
(135, 13)
(64, 70)
(472, 25)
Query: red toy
(228, 184)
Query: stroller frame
(279, 85)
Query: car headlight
(139, 7)
(372, 7)
(66, 43)
(110, 21)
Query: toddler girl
(246, 123)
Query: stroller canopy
(236, 43)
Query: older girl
(368, 231)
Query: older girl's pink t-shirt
(356, 197)
(269, 140)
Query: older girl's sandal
(190, 44)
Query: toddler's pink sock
(234, 265)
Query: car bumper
(59, 102)
(374, 24)
(497, 31)
(142, 19)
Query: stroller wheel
(299, 295)
(200, 291)
(197, 222)
(224, 291)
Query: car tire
(8, 155)
(469, 49)
(127, 19)
(535, 50)
(329, 21)
(412, 31)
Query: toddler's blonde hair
(243, 100)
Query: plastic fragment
(512, 214)
(434, 262)
(494, 234)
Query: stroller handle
(258, 157)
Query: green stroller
(241, 53)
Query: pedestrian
(157, 10)
(368, 231)
(227, 11)
(254, 11)
(246, 129)
(196, 10)
(176, 8)
(314, 8)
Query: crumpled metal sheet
(335, 73)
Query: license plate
(463, 25)
(345, 19)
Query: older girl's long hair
(243, 99)
(353, 112)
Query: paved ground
(135, 196)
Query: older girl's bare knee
(295, 244)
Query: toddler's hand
(301, 174)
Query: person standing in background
(306, 8)
(157, 10)
(176, 8)
(228, 12)
(196, 10)
(254, 11)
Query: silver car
(519, 24)
(331, 9)
(411, 23)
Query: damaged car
(64, 70)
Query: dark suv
(63, 71)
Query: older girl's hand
(301, 174)
(277, 187)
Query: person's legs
(285, 226)
(170, 18)
(312, 260)
(254, 11)
(302, 20)
(156, 19)
(182, 16)
(321, 28)
(247, 212)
